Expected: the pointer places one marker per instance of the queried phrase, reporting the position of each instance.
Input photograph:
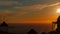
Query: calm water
(24, 28)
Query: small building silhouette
(4, 27)
(32, 31)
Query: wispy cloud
(26, 8)
(38, 6)
(8, 3)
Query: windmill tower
(3, 25)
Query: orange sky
(29, 11)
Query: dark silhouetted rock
(52, 32)
(32, 31)
(43, 33)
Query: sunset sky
(29, 11)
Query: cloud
(33, 7)
(55, 4)
(18, 14)
(27, 8)
(33, 10)
(32, 4)
(37, 6)
(14, 14)
(8, 3)
(25, 2)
